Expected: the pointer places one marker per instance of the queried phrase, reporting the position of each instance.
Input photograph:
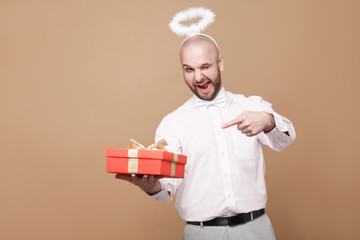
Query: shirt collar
(219, 101)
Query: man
(223, 193)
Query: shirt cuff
(279, 124)
(277, 139)
(162, 196)
(273, 134)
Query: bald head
(200, 41)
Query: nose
(198, 76)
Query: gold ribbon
(133, 161)
(159, 145)
(133, 165)
(133, 155)
(173, 169)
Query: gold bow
(159, 145)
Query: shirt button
(222, 153)
(229, 196)
(226, 174)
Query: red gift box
(141, 161)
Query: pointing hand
(252, 123)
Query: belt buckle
(229, 221)
(251, 216)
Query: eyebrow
(186, 65)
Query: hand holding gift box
(153, 160)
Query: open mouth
(204, 86)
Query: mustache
(203, 81)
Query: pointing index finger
(231, 123)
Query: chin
(207, 97)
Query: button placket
(223, 156)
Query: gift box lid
(145, 154)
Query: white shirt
(225, 170)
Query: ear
(221, 63)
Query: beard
(216, 85)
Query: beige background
(79, 76)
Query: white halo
(206, 16)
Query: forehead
(197, 53)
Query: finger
(251, 132)
(123, 177)
(157, 177)
(231, 123)
(145, 179)
(243, 125)
(134, 179)
(151, 178)
(246, 130)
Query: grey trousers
(258, 229)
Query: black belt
(231, 221)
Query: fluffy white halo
(206, 16)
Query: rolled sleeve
(168, 189)
(162, 196)
(282, 135)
